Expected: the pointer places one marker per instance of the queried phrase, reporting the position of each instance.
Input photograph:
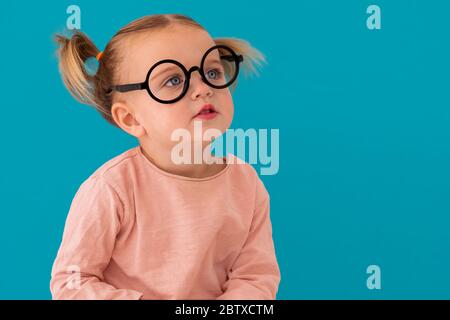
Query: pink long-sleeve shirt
(135, 231)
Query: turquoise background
(364, 138)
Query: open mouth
(207, 112)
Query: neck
(162, 159)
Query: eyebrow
(157, 74)
(214, 60)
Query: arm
(88, 242)
(255, 274)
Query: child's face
(153, 122)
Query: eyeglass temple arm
(231, 58)
(128, 87)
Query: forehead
(182, 43)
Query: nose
(199, 87)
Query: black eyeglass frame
(145, 85)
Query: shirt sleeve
(90, 232)
(255, 274)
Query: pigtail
(253, 58)
(73, 53)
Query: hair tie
(99, 55)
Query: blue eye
(174, 81)
(214, 74)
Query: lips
(207, 108)
(207, 112)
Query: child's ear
(126, 119)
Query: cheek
(165, 119)
(157, 119)
(161, 120)
(226, 105)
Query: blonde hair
(91, 89)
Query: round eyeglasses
(168, 80)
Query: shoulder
(117, 165)
(116, 175)
(246, 176)
(106, 186)
(108, 175)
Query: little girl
(144, 226)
